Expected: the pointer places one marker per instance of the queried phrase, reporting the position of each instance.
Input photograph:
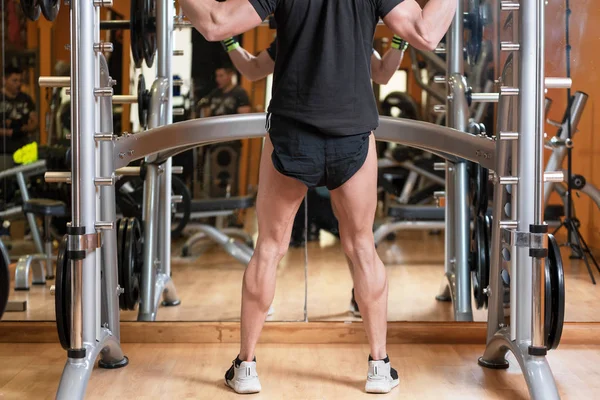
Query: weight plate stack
(555, 295)
(50, 8)
(121, 230)
(480, 274)
(137, 32)
(31, 9)
(149, 31)
(62, 294)
(131, 265)
(143, 97)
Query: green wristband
(230, 44)
(399, 43)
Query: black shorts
(303, 152)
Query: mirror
(217, 187)
(313, 279)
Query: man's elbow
(214, 33)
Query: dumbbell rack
(519, 234)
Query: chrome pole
(457, 117)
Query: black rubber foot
(22, 289)
(118, 364)
(171, 303)
(443, 298)
(493, 364)
(38, 283)
(50, 278)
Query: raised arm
(250, 66)
(422, 28)
(217, 20)
(382, 69)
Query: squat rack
(97, 154)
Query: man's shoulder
(238, 90)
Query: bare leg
(276, 205)
(355, 204)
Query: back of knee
(271, 251)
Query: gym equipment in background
(4, 278)
(561, 144)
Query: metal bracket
(536, 241)
(87, 242)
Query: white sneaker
(382, 378)
(243, 378)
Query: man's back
(322, 72)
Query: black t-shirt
(322, 71)
(221, 103)
(272, 49)
(14, 114)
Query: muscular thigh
(278, 199)
(355, 202)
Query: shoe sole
(242, 389)
(381, 388)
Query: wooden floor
(210, 286)
(294, 372)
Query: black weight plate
(31, 9)
(479, 276)
(400, 105)
(142, 103)
(50, 8)
(62, 295)
(488, 263)
(149, 31)
(136, 31)
(480, 200)
(129, 192)
(474, 27)
(555, 295)
(131, 268)
(4, 281)
(184, 208)
(121, 230)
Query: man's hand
(220, 20)
(422, 28)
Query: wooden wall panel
(585, 62)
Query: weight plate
(555, 295)
(50, 8)
(121, 228)
(143, 104)
(4, 280)
(62, 295)
(480, 276)
(130, 194)
(131, 262)
(400, 105)
(136, 32)
(31, 9)
(149, 31)
(473, 22)
(482, 189)
(181, 211)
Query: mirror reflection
(214, 226)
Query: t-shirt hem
(260, 10)
(389, 6)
